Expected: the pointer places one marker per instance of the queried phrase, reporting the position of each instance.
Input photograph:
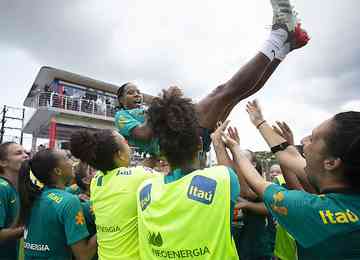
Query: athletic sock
(273, 45)
(284, 50)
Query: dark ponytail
(41, 166)
(344, 142)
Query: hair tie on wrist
(262, 122)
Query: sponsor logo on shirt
(339, 217)
(13, 201)
(277, 198)
(202, 189)
(181, 253)
(280, 210)
(107, 229)
(145, 196)
(79, 218)
(55, 197)
(121, 121)
(36, 247)
(157, 240)
(124, 172)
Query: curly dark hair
(343, 141)
(174, 121)
(95, 148)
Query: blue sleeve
(295, 210)
(89, 217)
(3, 206)
(234, 186)
(125, 123)
(74, 221)
(234, 191)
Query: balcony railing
(47, 99)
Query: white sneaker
(283, 15)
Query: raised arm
(222, 156)
(233, 143)
(255, 207)
(289, 158)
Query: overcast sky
(194, 44)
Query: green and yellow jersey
(74, 189)
(56, 222)
(113, 199)
(9, 207)
(325, 226)
(126, 121)
(285, 244)
(256, 237)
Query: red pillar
(52, 133)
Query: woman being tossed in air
(286, 35)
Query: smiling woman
(130, 120)
(331, 166)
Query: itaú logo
(202, 189)
(145, 197)
(155, 240)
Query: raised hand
(242, 203)
(220, 128)
(284, 131)
(233, 133)
(255, 113)
(230, 142)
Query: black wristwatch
(279, 147)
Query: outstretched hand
(255, 113)
(220, 128)
(231, 139)
(230, 142)
(233, 134)
(282, 129)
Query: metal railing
(47, 99)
